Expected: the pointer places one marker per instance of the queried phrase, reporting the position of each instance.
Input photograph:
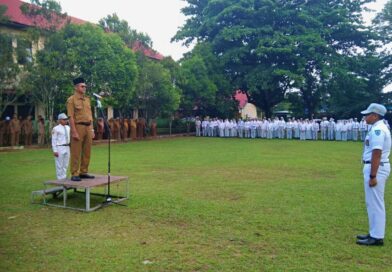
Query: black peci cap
(78, 80)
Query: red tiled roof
(148, 52)
(241, 98)
(16, 16)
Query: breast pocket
(78, 106)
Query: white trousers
(374, 197)
(62, 162)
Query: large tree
(271, 47)
(155, 94)
(199, 91)
(112, 23)
(83, 50)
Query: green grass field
(198, 204)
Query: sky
(160, 19)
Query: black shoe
(371, 242)
(86, 176)
(75, 178)
(363, 236)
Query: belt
(84, 123)
(63, 145)
(369, 162)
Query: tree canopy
(272, 48)
(83, 50)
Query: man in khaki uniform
(100, 128)
(41, 130)
(117, 129)
(153, 128)
(28, 130)
(82, 132)
(125, 129)
(15, 130)
(133, 129)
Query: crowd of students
(303, 129)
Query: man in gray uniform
(376, 170)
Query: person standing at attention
(376, 169)
(82, 132)
(60, 146)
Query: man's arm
(54, 142)
(70, 112)
(74, 132)
(376, 158)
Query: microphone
(97, 96)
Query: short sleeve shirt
(79, 107)
(378, 137)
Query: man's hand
(56, 154)
(372, 182)
(92, 134)
(75, 136)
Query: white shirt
(378, 137)
(60, 136)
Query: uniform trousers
(289, 133)
(355, 135)
(258, 132)
(14, 138)
(331, 134)
(323, 134)
(240, 132)
(62, 161)
(233, 132)
(253, 133)
(296, 133)
(197, 131)
(227, 132)
(270, 134)
(338, 135)
(204, 130)
(374, 197)
(28, 138)
(314, 135)
(344, 135)
(81, 150)
(302, 135)
(349, 135)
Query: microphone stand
(108, 197)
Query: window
(24, 51)
(5, 48)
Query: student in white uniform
(344, 130)
(204, 126)
(198, 127)
(240, 128)
(289, 129)
(302, 130)
(324, 128)
(315, 129)
(363, 128)
(60, 146)
(376, 170)
(270, 129)
(296, 128)
(355, 129)
(331, 129)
